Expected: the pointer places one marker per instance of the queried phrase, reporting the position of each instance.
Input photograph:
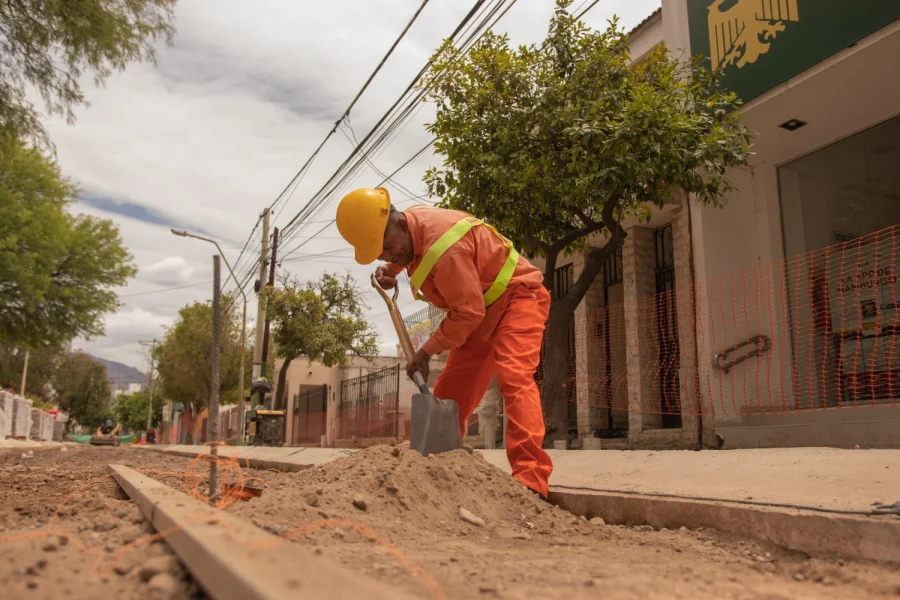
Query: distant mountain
(120, 376)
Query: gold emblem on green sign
(740, 31)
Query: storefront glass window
(841, 223)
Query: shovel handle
(420, 382)
(391, 301)
(400, 327)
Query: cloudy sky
(212, 133)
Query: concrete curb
(235, 560)
(816, 534)
(225, 452)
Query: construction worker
(495, 303)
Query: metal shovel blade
(435, 425)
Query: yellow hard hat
(362, 217)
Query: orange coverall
(502, 339)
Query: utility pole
(152, 345)
(24, 376)
(265, 346)
(261, 306)
(212, 424)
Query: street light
(185, 234)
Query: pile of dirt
(456, 493)
(454, 526)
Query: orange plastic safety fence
(816, 331)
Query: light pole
(150, 384)
(182, 233)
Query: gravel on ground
(67, 531)
(449, 526)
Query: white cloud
(212, 134)
(124, 330)
(172, 270)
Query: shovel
(435, 423)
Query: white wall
(739, 250)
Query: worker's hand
(419, 363)
(385, 277)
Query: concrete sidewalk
(817, 477)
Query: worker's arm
(457, 281)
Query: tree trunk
(554, 391)
(280, 391)
(190, 430)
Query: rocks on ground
(88, 551)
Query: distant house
(130, 388)
(123, 379)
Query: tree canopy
(183, 357)
(83, 389)
(131, 410)
(50, 45)
(57, 269)
(320, 320)
(560, 142)
(42, 366)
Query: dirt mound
(454, 493)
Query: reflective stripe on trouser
(512, 353)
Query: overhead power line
(254, 252)
(492, 13)
(288, 191)
(171, 289)
(394, 118)
(317, 199)
(584, 12)
(387, 115)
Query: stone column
(332, 418)
(590, 358)
(638, 262)
(688, 374)
(582, 382)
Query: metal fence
(370, 407)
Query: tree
(131, 410)
(322, 321)
(57, 270)
(42, 366)
(560, 143)
(49, 46)
(39, 402)
(183, 357)
(83, 389)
